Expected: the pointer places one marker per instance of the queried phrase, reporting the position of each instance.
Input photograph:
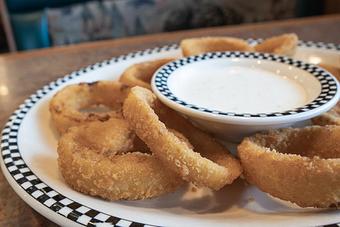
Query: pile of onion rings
(141, 149)
(298, 165)
(107, 159)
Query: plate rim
(17, 172)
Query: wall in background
(60, 22)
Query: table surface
(21, 74)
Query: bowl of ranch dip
(235, 94)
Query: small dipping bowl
(235, 94)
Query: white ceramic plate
(29, 162)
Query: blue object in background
(24, 6)
(29, 21)
(30, 30)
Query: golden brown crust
(176, 154)
(195, 46)
(332, 117)
(104, 168)
(140, 74)
(283, 44)
(66, 104)
(298, 165)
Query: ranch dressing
(240, 89)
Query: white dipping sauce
(239, 89)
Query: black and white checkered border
(319, 45)
(308, 44)
(328, 83)
(36, 188)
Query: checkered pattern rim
(308, 44)
(36, 188)
(328, 83)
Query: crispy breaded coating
(298, 165)
(213, 167)
(195, 46)
(140, 74)
(283, 44)
(65, 106)
(332, 117)
(102, 167)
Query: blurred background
(32, 24)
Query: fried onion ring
(102, 167)
(214, 170)
(140, 74)
(283, 44)
(332, 117)
(66, 105)
(195, 46)
(298, 165)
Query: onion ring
(65, 107)
(283, 44)
(102, 167)
(219, 170)
(298, 165)
(195, 46)
(332, 117)
(140, 74)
